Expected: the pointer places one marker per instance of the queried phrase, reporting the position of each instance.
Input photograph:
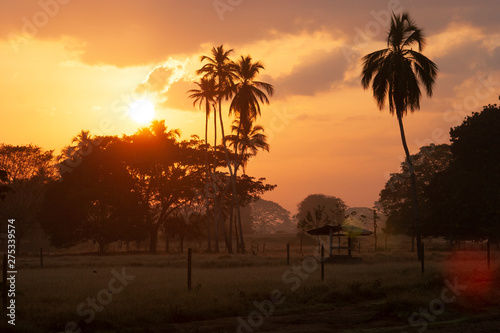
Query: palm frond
(395, 73)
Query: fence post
(189, 268)
(322, 262)
(263, 248)
(41, 258)
(288, 254)
(4, 285)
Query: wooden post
(488, 251)
(375, 227)
(263, 248)
(189, 268)
(330, 246)
(422, 253)
(359, 246)
(4, 280)
(287, 254)
(41, 258)
(349, 243)
(338, 236)
(322, 262)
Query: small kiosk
(340, 230)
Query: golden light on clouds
(93, 60)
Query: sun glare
(142, 111)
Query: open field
(148, 293)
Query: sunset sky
(69, 65)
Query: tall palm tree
(206, 94)
(396, 73)
(249, 93)
(221, 69)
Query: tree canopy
(395, 197)
(97, 201)
(28, 169)
(317, 210)
(464, 200)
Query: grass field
(148, 293)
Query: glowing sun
(142, 111)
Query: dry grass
(227, 285)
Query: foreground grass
(231, 285)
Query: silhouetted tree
(245, 105)
(464, 198)
(333, 208)
(220, 69)
(269, 217)
(166, 172)
(97, 201)
(396, 73)
(25, 162)
(4, 188)
(396, 197)
(29, 169)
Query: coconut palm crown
(397, 71)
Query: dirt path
(351, 318)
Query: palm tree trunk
(207, 205)
(221, 218)
(216, 208)
(416, 221)
(238, 212)
(216, 225)
(230, 238)
(235, 193)
(236, 235)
